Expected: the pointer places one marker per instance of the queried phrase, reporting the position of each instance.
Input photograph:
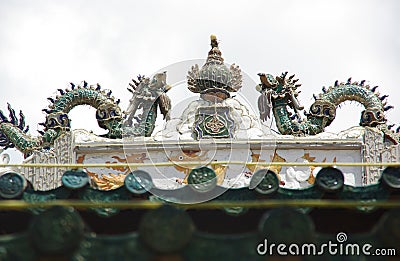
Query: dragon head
(159, 82)
(372, 117)
(110, 117)
(146, 89)
(57, 120)
(280, 90)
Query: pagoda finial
(214, 77)
(214, 55)
(214, 42)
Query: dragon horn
(291, 77)
(362, 82)
(349, 81)
(72, 85)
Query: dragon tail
(14, 133)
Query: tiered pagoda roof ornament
(214, 81)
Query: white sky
(44, 45)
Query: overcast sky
(44, 45)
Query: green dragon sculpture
(147, 95)
(14, 133)
(280, 94)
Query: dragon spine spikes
(374, 88)
(47, 111)
(3, 117)
(388, 107)
(135, 82)
(13, 118)
(21, 124)
(383, 97)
